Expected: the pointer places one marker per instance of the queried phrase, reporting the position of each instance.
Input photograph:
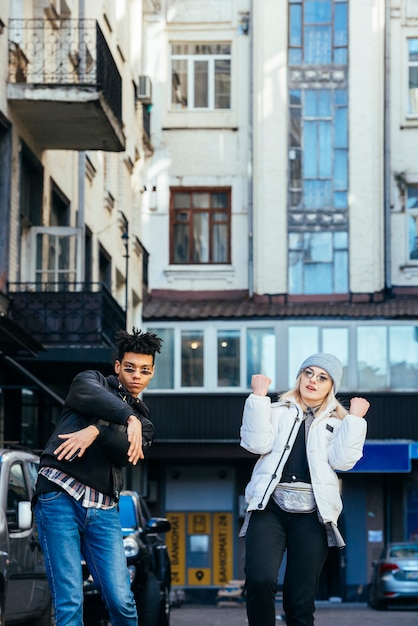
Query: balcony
(64, 86)
(63, 315)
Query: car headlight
(131, 547)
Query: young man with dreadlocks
(103, 427)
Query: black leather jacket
(102, 401)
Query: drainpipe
(250, 173)
(386, 148)
(81, 217)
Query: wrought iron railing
(65, 52)
(66, 314)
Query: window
(200, 225)
(413, 76)
(105, 267)
(261, 353)
(164, 362)
(31, 189)
(60, 208)
(192, 372)
(412, 213)
(318, 32)
(229, 358)
(372, 357)
(16, 492)
(318, 262)
(55, 255)
(403, 353)
(305, 340)
(318, 148)
(201, 76)
(218, 355)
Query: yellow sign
(176, 544)
(215, 540)
(198, 576)
(222, 548)
(198, 524)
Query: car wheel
(374, 602)
(164, 617)
(148, 600)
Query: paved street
(326, 615)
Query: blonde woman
(293, 496)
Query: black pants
(270, 533)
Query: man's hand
(135, 439)
(76, 443)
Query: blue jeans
(68, 532)
(270, 533)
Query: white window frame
(284, 377)
(191, 58)
(412, 117)
(58, 231)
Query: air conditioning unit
(144, 93)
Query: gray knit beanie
(327, 362)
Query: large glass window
(192, 353)
(200, 225)
(318, 262)
(413, 76)
(201, 76)
(306, 340)
(164, 362)
(302, 341)
(372, 357)
(55, 255)
(403, 351)
(318, 148)
(261, 353)
(229, 346)
(318, 32)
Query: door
(27, 590)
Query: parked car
(395, 576)
(148, 564)
(24, 590)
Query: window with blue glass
(318, 148)
(261, 353)
(318, 32)
(228, 349)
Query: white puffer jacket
(270, 429)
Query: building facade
(239, 177)
(280, 222)
(74, 140)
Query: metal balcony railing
(64, 52)
(64, 314)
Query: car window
(402, 552)
(33, 473)
(16, 492)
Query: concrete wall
(107, 183)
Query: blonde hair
(294, 394)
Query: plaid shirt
(90, 498)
